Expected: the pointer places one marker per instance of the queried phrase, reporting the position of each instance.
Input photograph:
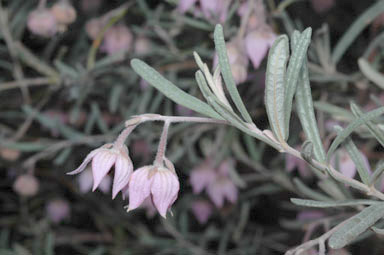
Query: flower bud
(118, 38)
(57, 210)
(64, 12)
(26, 185)
(42, 22)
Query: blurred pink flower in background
(58, 210)
(64, 14)
(213, 10)
(85, 182)
(117, 39)
(345, 164)
(292, 163)
(321, 6)
(142, 45)
(257, 43)
(103, 159)
(157, 182)
(42, 22)
(93, 27)
(202, 210)
(26, 185)
(216, 181)
(310, 215)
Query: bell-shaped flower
(202, 176)
(85, 182)
(161, 183)
(103, 159)
(117, 39)
(202, 210)
(257, 43)
(221, 189)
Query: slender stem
(123, 136)
(173, 119)
(162, 145)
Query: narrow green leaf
(170, 90)
(326, 204)
(351, 127)
(227, 73)
(369, 72)
(374, 130)
(377, 173)
(299, 46)
(355, 29)
(378, 231)
(306, 113)
(336, 111)
(274, 90)
(356, 226)
(356, 157)
(114, 98)
(305, 190)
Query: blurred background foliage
(65, 93)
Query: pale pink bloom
(117, 39)
(57, 210)
(185, 5)
(211, 9)
(345, 164)
(321, 6)
(222, 189)
(93, 27)
(85, 182)
(103, 159)
(202, 210)
(292, 163)
(142, 45)
(42, 22)
(310, 215)
(26, 185)
(257, 43)
(64, 12)
(202, 176)
(160, 183)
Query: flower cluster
(158, 182)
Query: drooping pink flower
(321, 6)
(202, 210)
(202, 176)
(42, 22)
(292, 163)
(117, 39)
(346, 165)
(257, 18)
(57, 210)
(214, 10)
(64, 13)
(222, 189)
(160, 183)
(257, 43)
(103, 159)
(93, 27)
(85, 182)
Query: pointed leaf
(357, 158)
(227, 73)
(170, 90)
(274, 90)
(326, 204)
(356, 226)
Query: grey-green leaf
(275, 82)
(356, 225)
(170, 90)
(227, 73)
(357, 158)
(351, 127)
(369, 72)
(306, 113)
(299, 46)
(326, 204)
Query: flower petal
(184, 5)
(86, 161)
(123, 170)
(101, 164)
(230, 191)
(256, 47)
(85, 181)
(215, 193)
(201, 177)
(139, 187)
(164, 190)
(202, 210)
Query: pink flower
(57, 210)
(142, 45)
(211, 9)
(93, 27)
(42, 22)
(160, 183)
(291, 163)
(64, 12)
(117, 39)
(221, 189)
(345, 164)
(202, 209)
(202, 176)
(26, 185)
(103, 159)
(321, 6)
(85, 182)
(257, 43)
